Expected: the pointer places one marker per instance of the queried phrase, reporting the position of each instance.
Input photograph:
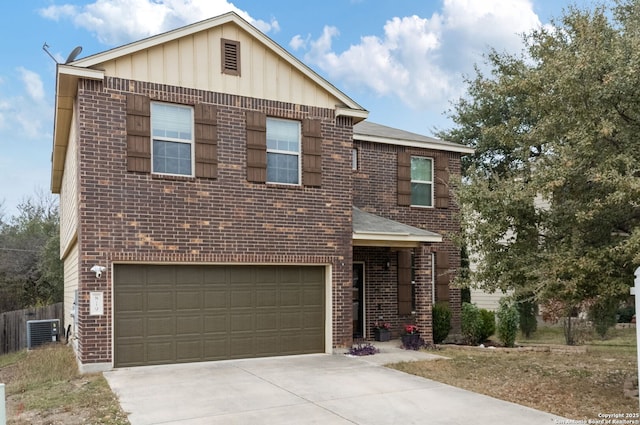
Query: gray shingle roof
(366, 130)
(372, 227)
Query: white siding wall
(486, 300)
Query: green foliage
(626, 313)
(31, 272)
(528, 321)
(488, 324)
(441, 322)
(508, 321)
(471, 323)
(549, 198)
(603, 315)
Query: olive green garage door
(176, 314)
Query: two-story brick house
(208, 176)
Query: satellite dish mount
(72, 56)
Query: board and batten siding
(71, 278)
(69, 193)
(194, 61)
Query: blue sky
(404, 61)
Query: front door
(358, 300)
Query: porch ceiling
(373, 230)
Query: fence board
(13, 325)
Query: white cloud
(297, 42)
(33, 84)
(422, 60)
(144, 18)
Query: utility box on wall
(41, 332)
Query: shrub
(508, 321)
(487, 324)
(441, 322)
(471, 323)
(528, 320)
(603, 316)
(625, 314)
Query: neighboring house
(217, 202)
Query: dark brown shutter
(442, 276)
(404, 282)
(206, 136)
(404, 179)
(442, 181)
(230, 57)
(138, 133)
(312, 152)
(256, 146)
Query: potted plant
(382, 331)
(411, 335)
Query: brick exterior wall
(375, 191)
(141, 217)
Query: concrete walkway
(311, 389)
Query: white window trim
(176, 140)
(285, 152)
(426, 182)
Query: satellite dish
(73, 55)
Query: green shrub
(470, 323)
(625, 313)
(603, 316)
(528, 319)
(508, 321)
(441, 322)
(487, 324)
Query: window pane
(421, 169)
(283, 135)
(171, 157)
(171, 121)
(421, 194)
(282, 168)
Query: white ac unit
(41, 332)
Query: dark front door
(358, 300)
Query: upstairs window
(421, 181)
(283, 151)
(172, 139)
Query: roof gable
(191, 56)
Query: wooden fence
(13, 325)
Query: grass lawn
(574, 385)
(43, 386)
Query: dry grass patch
(44, 387)
(576, 385)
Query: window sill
(172, 177)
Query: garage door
(176, 314)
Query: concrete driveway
(311, 389)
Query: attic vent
(230, 57)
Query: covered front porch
(393, 275)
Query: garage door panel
(161, 351)
(216, 323)
(241, 297)
(266, 320)
(189, 299)
(215, 299)
(243, 321)
(188, 350)
(173, 314)
(290, 297)
(130, 301)
(160, 301)
(161, 326)
(130, 327)
(189, 325)
(160, 275)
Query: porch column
(423, 292)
